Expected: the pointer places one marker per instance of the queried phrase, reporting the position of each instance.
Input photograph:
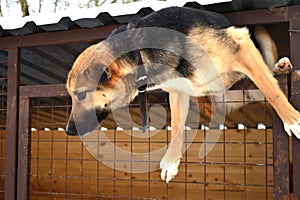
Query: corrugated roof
(84, 18)
(113, 14)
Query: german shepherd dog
(102, 79)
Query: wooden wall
(238, 167)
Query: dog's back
(184, 19)
(181, 19)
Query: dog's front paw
(169, 171)
(283, 66)
(295, 128)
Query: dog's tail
(267, 46)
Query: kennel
(251, 159)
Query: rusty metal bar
(12, 122)
(51, 38)
(295, 91)
(23, 183)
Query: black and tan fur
(97, 74)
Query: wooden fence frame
(18, 98)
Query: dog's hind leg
(270, 53)
(179, 105)
(249, 61)
(267, 45)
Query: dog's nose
(71, 129)
(85, 123)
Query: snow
(13, 17)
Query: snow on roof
(114, 9)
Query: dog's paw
(283, 66)
(294, 128)
(169, 171)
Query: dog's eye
(81, 95)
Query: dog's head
(96, 86)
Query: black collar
(141, 84)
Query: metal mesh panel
(240, 165)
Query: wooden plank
(255, 152)
(65, 166)
(139, 189)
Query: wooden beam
(40, 91)
(264, 16)
(60, 37)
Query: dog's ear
(97, 73)
(104, 77)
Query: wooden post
(281, 152)
(23, 183)
(294, 15)
(12, 122)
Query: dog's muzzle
(84, 122)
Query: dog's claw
(170, 171)
(294, 128)
(163, 175)
(287, 129)
(144, 129)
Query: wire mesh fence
(239, 166)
